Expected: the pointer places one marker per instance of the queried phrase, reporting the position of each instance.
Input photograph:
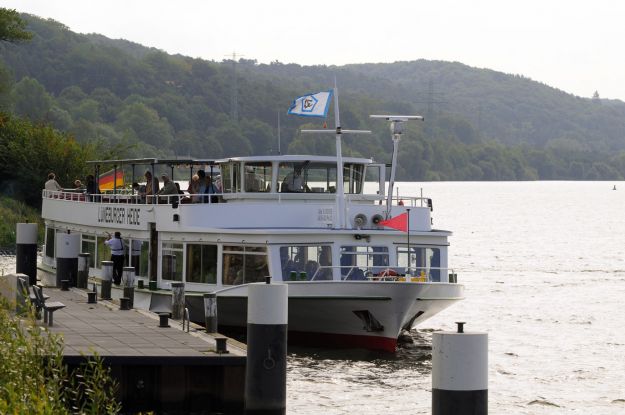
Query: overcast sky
(572, 45)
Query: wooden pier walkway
(158, 369)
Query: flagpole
(340, 193)
(279, 152)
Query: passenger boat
(352, 282)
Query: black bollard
(459, 373)
(26, 251)
(163, 319)
(67, 245)
(64, 285)
(210, 312)
(124, 303)
(92, 297)
(265, 372)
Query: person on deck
(294, 182)
(151, 186)
(91, 188)
(52, 184)
(117, 256)
(169, 187)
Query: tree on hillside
(12, 27)
(31, 100)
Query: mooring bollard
(129, 285)
(92, 297)
(459, 373)
(265, 372)
(210, 312)
(67, 246)
(163, 319)
(107, 280)
(64, 285)
(177, 300)
(83, 270)
(26, 251)
(124, 303)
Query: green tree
(12, 27)
(31, 100)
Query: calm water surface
(543, 265)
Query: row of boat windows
(242, 264)
(311, 177)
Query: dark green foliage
(13, 212)
(12, 27)
(480, 124)
(28, 152)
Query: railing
(377, 273)
(126, 196)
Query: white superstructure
(351, 281)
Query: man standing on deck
(117, 256)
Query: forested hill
(138, 101)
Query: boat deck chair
(48, 307)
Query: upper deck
(282, 193)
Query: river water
(543, 265)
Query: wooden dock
(166, 370)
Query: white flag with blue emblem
(311, 105)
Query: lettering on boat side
(324, 215)
(119, 215)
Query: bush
(34, 379)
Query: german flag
(107, 180)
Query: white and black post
(83, 270)
(129, 285)
(210, 312)
(67, 248)
(107, 280)
(26, 251)
(177, 300)
(265, 372)
(459, 373)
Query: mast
(397, 128)
(340, 191)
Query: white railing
(376, 273)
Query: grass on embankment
(13, 212)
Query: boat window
(352, 177)
(172, 262)
(50, 242)
(258, 177)
(244, 264)
(310, 262)
(140, 257)
(424, 261)
(88, 247)
(201, 263)
(230, 177)
(358, 261)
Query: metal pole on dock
(107, 280)
(67, 248)
(177, 300)
(83, 270)
(459, 373)
(210, 312)
(129, 285)
(26, 251)
(265, 372)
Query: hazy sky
(571, 45)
